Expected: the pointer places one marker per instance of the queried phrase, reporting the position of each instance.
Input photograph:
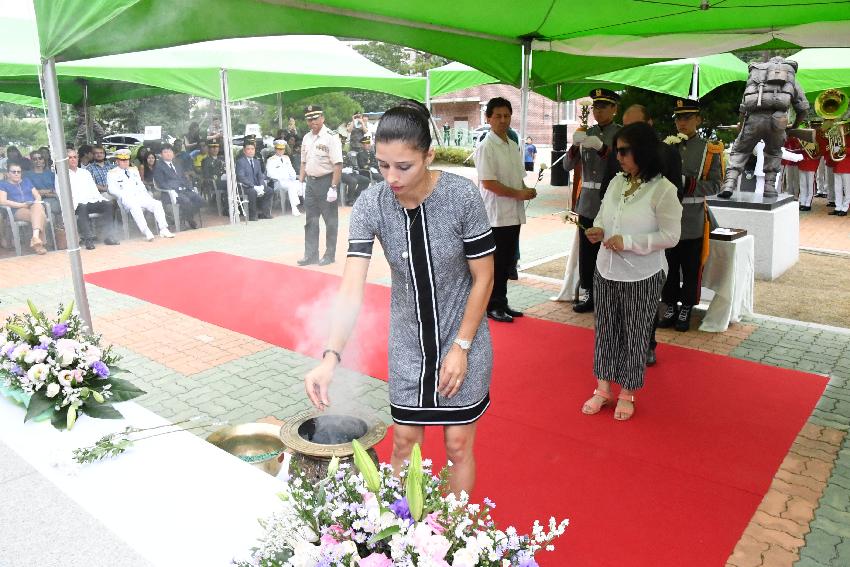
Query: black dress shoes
(325, 261)
(192, 224)
(306, 261)
(499, 315)
(668, 318)
(683, 321)
(109, 241)
(725, 194)
(650, 357)
(513, 312)
(89, 243)
(584, 306)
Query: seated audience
(25, 201)
(87, 199)
(126, 185)
(44, 180)
(213, 174)
(169, 174)
(280, 169)
(252, 180)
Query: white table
(175, 499)
(729, 273)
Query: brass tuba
(831, 105)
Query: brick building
(464, 110)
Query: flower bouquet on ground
(58, 370)
(371, 518)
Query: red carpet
(674, 486)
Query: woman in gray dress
(435, 235)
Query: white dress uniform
(279, 168)
(127, 186)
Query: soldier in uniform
(772, 89)
(213, 171)
(279, 167)
(591, 148)
(321, 169)
(701, 174)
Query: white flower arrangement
(677, 139)
(57, 369)
(371, 518)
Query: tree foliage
(23, 132)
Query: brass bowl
(251, 440)
(297, 431)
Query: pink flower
(328, 539)
(431, 520)
(376, 560)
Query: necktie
(174, 169)
(251, 161)
(127, 173)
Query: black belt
(315, 178)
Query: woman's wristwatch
(463, 344)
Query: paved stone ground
(190, 367)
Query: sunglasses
(624, 151)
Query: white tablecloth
(729, 273)
(175, 499)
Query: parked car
(479, 133)
(115, 142)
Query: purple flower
(59, 330)
(40, 347)
(16, 369)
(100, 368)
(526, 560)
(401, 509)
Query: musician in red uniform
(789, 176)
(841, 176)
(808, 168)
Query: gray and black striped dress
(427, 249)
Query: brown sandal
(590, 409)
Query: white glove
(331, 195)
(223, 177)
(260, 190)
(791, 156)
(593, 142)
(579, 137)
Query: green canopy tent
(495, 37)
(687, 78)
(821, 69)
(454, 77)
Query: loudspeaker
(560, 176)
(559, 137)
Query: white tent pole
(280, 111)
(87, 113)
(558, 103)
(526, 72)
(428, 90)
(63, 180)
(226, 146)
(695, 82)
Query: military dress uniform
(320, 153)
(595, 164)
(212, 171)
(701, 177)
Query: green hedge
(456, 156)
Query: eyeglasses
(624, 150)
(14, 172)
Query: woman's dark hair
(13, 149)
(643, 141)
(407, 122)
(497, 102)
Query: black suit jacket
(166, 178)
(246, 176)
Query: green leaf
(123, 390)
(383, 534)
(39, 403)
(413, 484)
(366, 466)
(101, 411)
(60, 419)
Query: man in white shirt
(88, 199)
(279, 168)
(126, 185)
(500, 176)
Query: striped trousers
(625, 314)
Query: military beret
(313, 111)
(685, 106)
(604, 95)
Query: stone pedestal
(774, 222)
